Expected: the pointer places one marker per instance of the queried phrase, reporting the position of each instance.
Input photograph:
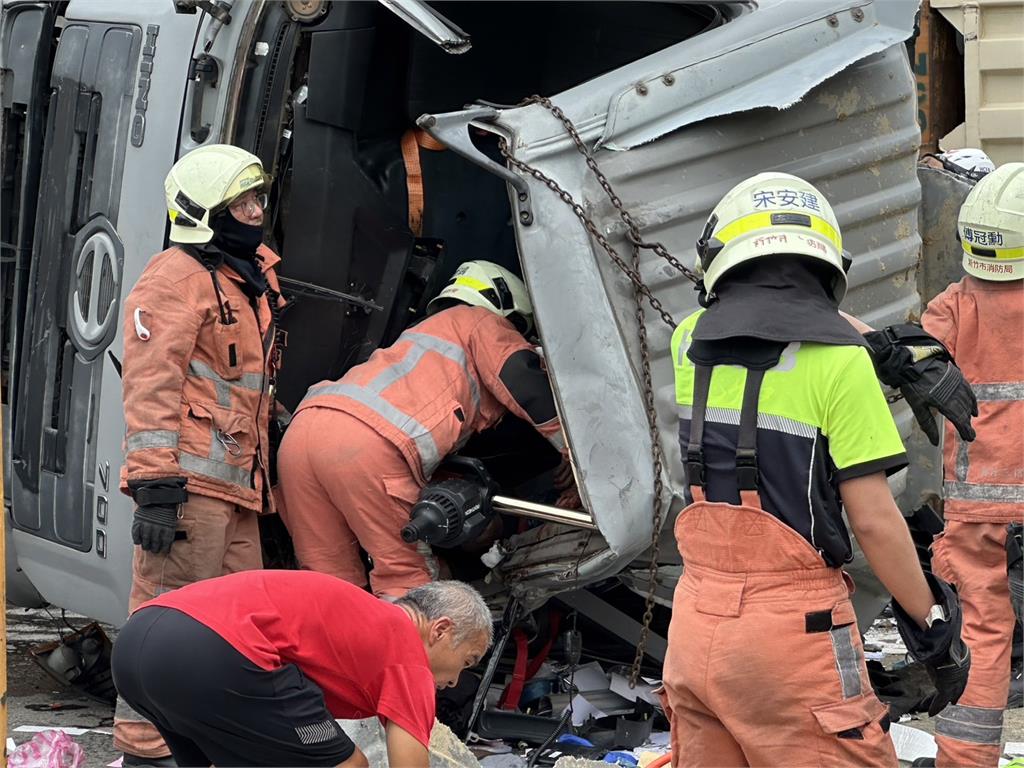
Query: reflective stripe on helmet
(991, 252)
(767, 219)
(471, 282)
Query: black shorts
(214, 706)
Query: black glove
(156, 516)
(940, 647)
(916, 363)
(1015, 565)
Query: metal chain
(589, 225)
(640, 292)
(633, 236)
(658, 461)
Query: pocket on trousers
(854, 732)
(162, 573)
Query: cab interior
(326, 108)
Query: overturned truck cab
(386, 182)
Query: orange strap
(413, 140)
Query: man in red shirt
(253, 668)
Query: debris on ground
(80, 660)
(446, 749)
(580, 762)
(912, 743)
(48, 749)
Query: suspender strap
(695, 474)
(747, 476)
(746, 445)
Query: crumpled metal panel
(855, 136)
(784, 49)
(942, 255)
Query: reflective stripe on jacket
(449, 376)
(982, 324)
(196, 390)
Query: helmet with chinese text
(991, 225)
(771, 214)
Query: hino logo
(95, 287)
(145, 81)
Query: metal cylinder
(506, 505)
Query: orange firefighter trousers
(346, 486)
(765, 664)
(220, 538)
(972, 556)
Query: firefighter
(199, 364)
(359, 449)
(980, 320)
(782, 423)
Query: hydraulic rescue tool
(455, 510)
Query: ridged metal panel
(855, 136)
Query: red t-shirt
(365, 654)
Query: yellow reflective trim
(172, 214)
(472, 282)
(1000, 253)
(763, 220)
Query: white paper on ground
(11, 746)
(657, 742)
(912, 743)
(644, 689)
(1014, 748)
(582, 710)
(590, 677)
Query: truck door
(26, 54)
(69, 313)
(112, 101)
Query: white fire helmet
(485, 284)
(771, 214)
(206, 181)
(972, 163)
(991, 225)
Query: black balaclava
(778, 300)
(237, 243)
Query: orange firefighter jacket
(453, 374)
(197, 389)
(981, 322)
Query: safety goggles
(249, 203)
